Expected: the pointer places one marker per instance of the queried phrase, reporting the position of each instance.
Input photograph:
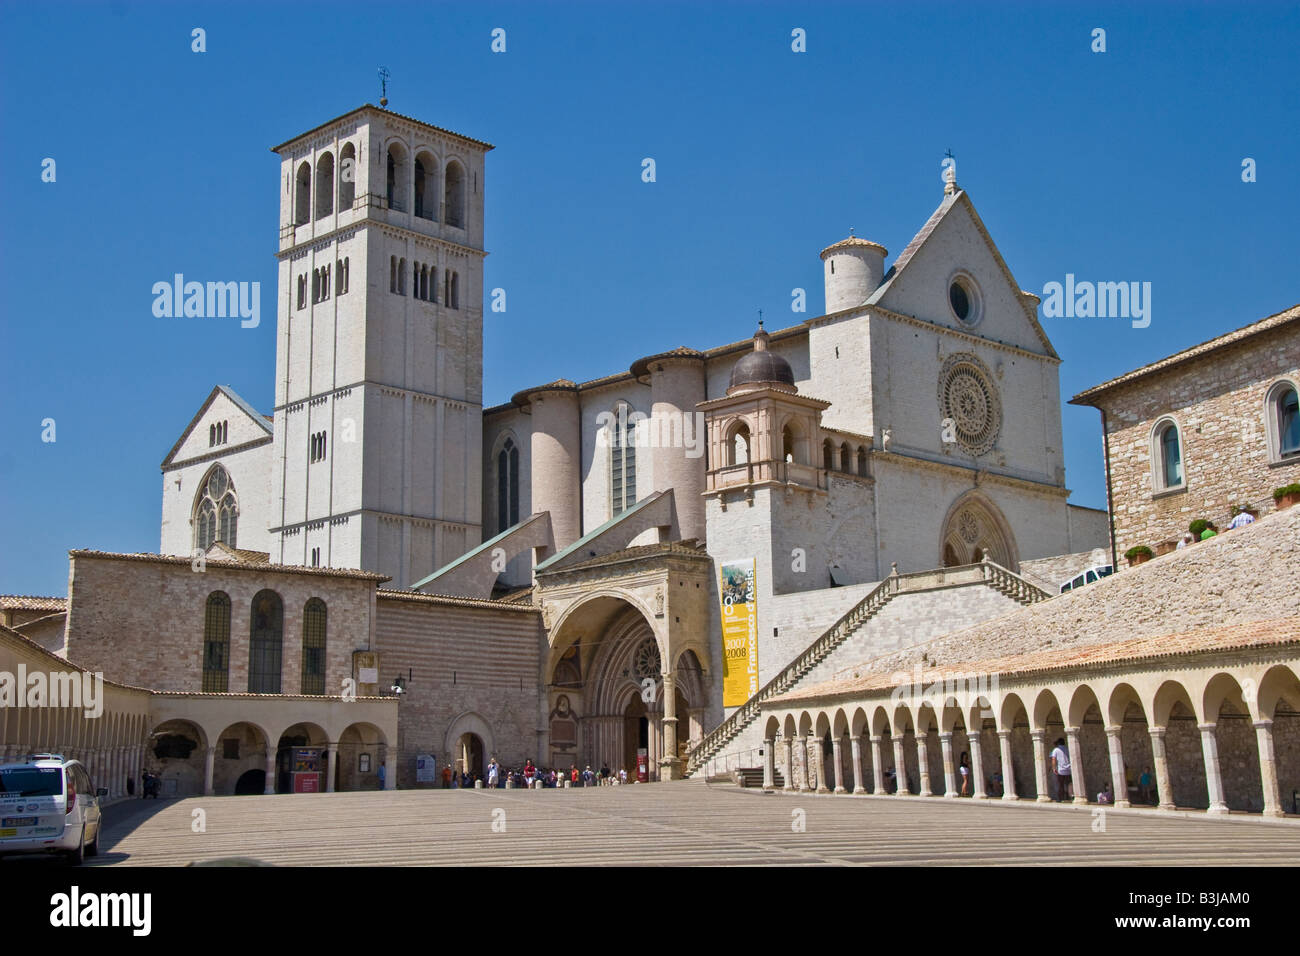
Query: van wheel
(77, 857)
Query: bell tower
(379, 346)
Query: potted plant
(1287, 495)
(1137, 554)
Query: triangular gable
(923, 237)
(225, 392)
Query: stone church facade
(540, 578)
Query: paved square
(685, 823)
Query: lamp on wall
(400, 683)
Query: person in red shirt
(446, 777)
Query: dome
(761, 367)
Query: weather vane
(760, 318)
(383, 83)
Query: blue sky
(1123, 165)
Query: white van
(47, 805)
(1090, 576)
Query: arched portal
(975, 528)
(605, 705)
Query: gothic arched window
(622, 462)
(313, 647)
(507, 486)
(216, 511)
(216, 644)
(266, 638)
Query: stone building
(540, 579)
(1201, 432)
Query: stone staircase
(987, 573)
(752, 777)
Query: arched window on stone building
(426, 186)
(1283, 415)
(738, 444)
(862, 462)
(302, 195)
(325, 185)
(507, 486)
(828, 455)
(396, 178)
(216, 644)
(1167, 455)
(265, 641)
(347, 176)
(454, 197)
(313, 647)
(846, 459)
(622, 461)
(216, 510)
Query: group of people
(1143, 789)
(530, 775)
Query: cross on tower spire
(383, 85)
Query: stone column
(976, 765)
(137, 759)
(1213, 776)
(669, 769)
(1118, 778)
(949, 775)
(900, 768)
(1161, 761)
(820, 750)
(803, 765)
(923, 762)
(769, 763)
(1076, 765)
(270, 769)
(855, 750)
(1268, 769)
(837, 757)
(877, 767)
(331, 764)
(788, 744)
(209, 758)
(1008, 766)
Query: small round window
(963, 298)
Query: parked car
(48, 805)
(1090, 576)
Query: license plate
(8, 833)
(18, 822)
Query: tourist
(1184, 541)
(1209, 532)
(573, 774)
(963, 766)
(604, 775)
(1106, 796)
(381, 776)
(446, 777)
(997, 783)
(622, 775)
(1144, 785)
(1242, 519)
(493, 772)
(1061, 767)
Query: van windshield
(32, 781)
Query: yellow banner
(739, 632)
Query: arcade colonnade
(1218, 732)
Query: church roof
(232, 565)
(852, 242)
(387, 112)
(25, 602)
(761, 367)
(1267, 324)
(682, 548)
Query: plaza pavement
(669, 824)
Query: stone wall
(1219, 404)
(471, 669)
